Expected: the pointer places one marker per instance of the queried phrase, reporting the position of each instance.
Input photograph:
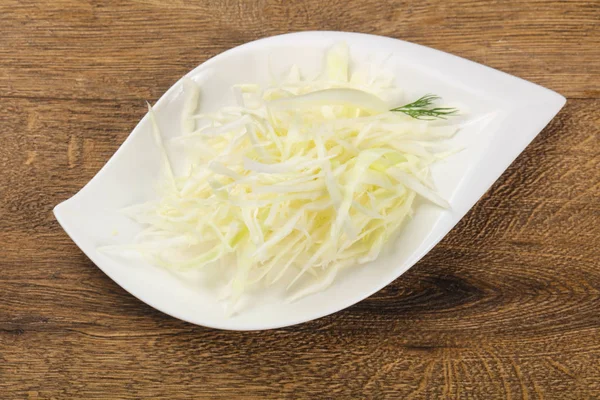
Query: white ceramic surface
(505, 114)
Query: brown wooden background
(507, 306)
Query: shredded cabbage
(303, 177)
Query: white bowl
(505, 114)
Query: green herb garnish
(420, 109)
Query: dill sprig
(420, 109)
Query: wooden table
(507, 306)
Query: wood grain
(506, 306)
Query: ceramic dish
(505, 113)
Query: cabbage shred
(299, 179)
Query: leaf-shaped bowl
(505, 114)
